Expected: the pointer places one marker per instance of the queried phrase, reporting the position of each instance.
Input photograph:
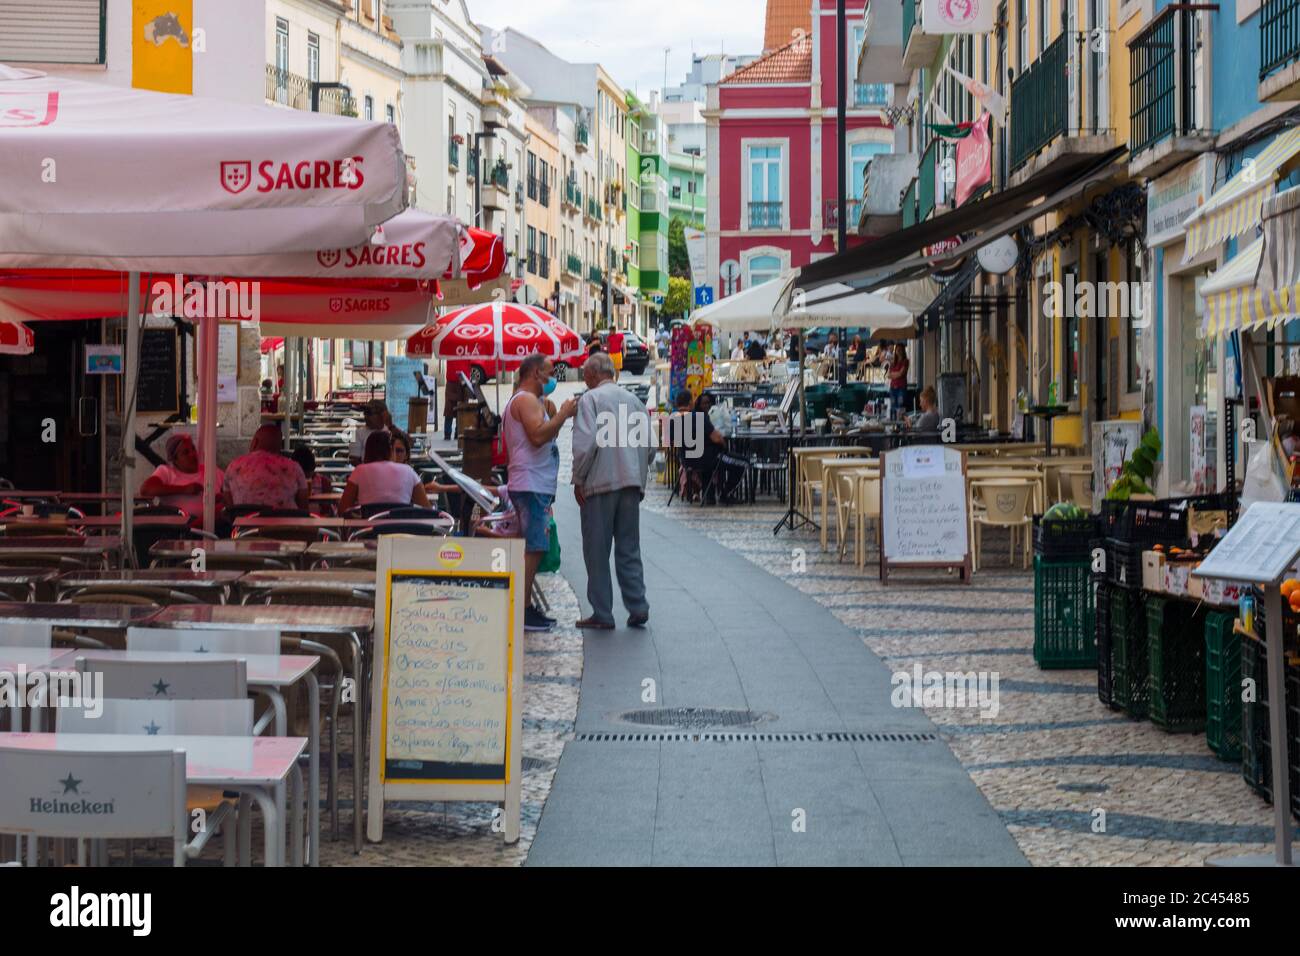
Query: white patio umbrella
(751, 308)
(100, 177)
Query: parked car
(816, 338)
(636, 356)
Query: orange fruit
(1295, 600)
(1289, 587)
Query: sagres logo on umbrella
(236, 175)
(29, 109)
(329, 258)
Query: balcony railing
(543, 267)
(594, 209)
(909, 205)
(595, 275)
(765, 215)
(573, 264)
(1279, 35)
(498, 176)
(1163, 99)
(1058, 95)
(871, 94)
(927, 181)
(519, 195)
(852, 207)
(910, 16)
(573, 195)
(544, 194)
(290, 89)
(453, 154)
(581, 135)
(532, 187)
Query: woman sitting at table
(379, 480)
(317, 483)
(929, 418)
(179, 483)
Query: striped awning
(1279, 267)
(1234, 300)
(1237, 207)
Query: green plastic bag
(552, 560)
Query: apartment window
(364, 354)
(763, 269)
(71, 31)
(1071, 356)
(859, 156)
(390, 113)
(313, 57)
(1133, 337)
(765, 198)
(1022, 51)
(281, 46)
(370, 108)
(1042, 26)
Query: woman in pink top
(179, 483)
(380, 481)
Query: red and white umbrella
(495, 335)
(482, 256)
(16, 339)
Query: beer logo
(336, 304)
(329, 258)
(236, 175)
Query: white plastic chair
(203, 718)
(27, 634)
(144, 789)
(203, 640)
(145, 679)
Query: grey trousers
(613, 518)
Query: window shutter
(51, 31)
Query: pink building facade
(772, 148)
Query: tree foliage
(679, 261)
(678, 300)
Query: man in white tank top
(534, 465)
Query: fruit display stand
(1223, 706)
(1261, 548)
(1176, 664)
(1064, 593)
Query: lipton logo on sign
(29, 109)
(236, 175)
(450, 554)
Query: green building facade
(647, 207)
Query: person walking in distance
(534, 466)
(611, 458)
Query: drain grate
(692, 718)
(1083, 787)
(832, 737)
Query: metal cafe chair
(148, 786)
(27, 634)
(125, 592)
(1007, 503)
(203, 640)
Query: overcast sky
(628, 39)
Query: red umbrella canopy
(16, 339)
(493, 332)
(482, 256)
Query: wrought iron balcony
(573, 264)
(909, 205)
(765, 215)
(573, 195)
(852, 208)
(595, 275)
(1059, 95)
(1279, 50)
(871, 94)
(581, 136)
(1164, 93)
(927, 179)
(453, 155)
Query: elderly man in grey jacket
(612, 446)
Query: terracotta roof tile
(791, 63)
(784, 17)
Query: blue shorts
(533, 508)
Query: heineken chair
(139, 677)
(26, 635)
(95, 795)
(213, 718)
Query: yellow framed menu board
(923, 518)
(445, 719)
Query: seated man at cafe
(377, 420)
(929, 418)
(179, 483)
(264, 477)
(720, 470)
(755, 351)
(381, 481)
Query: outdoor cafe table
(182, 549)
(257, 766)
(21, 493)
(343, 579)
(88, 616)
(268, 674)
(93, 523)
(269, 525)
(338, 550)
(31, 580)
(46, 546)
(349, 622)
(175, 579)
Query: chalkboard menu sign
(924, 518)
(159, 389)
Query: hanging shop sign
(945, 270)
(1000, 256)
(957, 16)
(974, 161)
(1175, 196)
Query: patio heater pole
(841, 92)
(208, 343)
(131, 368)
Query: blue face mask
(548, 387)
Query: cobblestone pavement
(1054, 759)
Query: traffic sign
(704, 295)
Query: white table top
(76, 615)
(297, 618)
(216, 761)
(34, 659)
(267, 670)
(177, 578)
(257, 547)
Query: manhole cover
(692, 718)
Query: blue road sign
(704, 295)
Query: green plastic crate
(1176, 649)
(1064, 615)
(1130, 661)
(1222, 686)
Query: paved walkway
(726, 634)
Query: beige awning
(1235, 300)
(1279, 265)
